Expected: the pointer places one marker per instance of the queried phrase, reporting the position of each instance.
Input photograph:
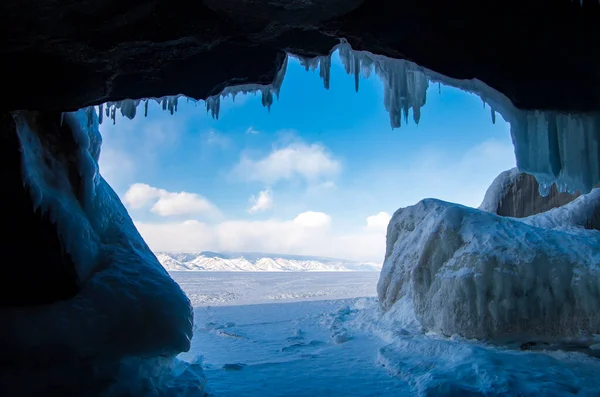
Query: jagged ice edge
(540, 137)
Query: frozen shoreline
(324, 339)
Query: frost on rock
(129, 319)
(498, 190)
(516, 194)
(128, 107)
(475, 274)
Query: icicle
(128, 108)
(440, 88)
(171, 104)
(213, 105)
(91, 117)
(553, 147)
(544, 189)
(267, 99)
(325, 70)
(100, 113)
(356, 73)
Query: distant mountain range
(258, 262)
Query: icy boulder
(120, 332)
(519, 195)
(476, 274)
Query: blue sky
(319, 174)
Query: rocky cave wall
(64, 55)
(523, 198)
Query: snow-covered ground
(227, 288)
(321, 334)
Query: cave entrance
(250, 212)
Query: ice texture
(517, 195)
(128, 107)
(446, 367)
(555, 147)
(499, 189)
(478, 275)
(128, 310)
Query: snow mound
(478, 275)
(129, 319)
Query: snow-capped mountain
(258, 262)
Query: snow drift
(120, 333)
(479, 275)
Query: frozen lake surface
(235, 288)
(321, 334)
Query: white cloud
(167, 203)
(251, 131)
(263, 202)
(140, 194)
(311, 219)
(182, 203)
(309, 233)
(379, 221)
(312, 163)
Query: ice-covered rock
(517, 194)
(476, 274)
(128, 319)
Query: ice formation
(120, 333)
(475, 274)
(128, 107)
(498, 190)
(516, 194)
(554, 147)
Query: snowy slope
(258, 262)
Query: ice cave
(90, 311)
